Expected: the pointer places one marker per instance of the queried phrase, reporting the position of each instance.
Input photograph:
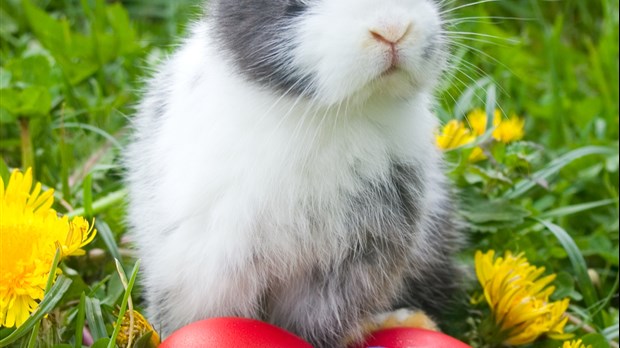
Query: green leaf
(50, 280)
(96, 323)
(6, 116)
(464, 103)
(565, 287)
(104, 231)
(79, 321)
(611, 333)
(87, 192)
(595, 340)
(101, 343)
(495, 211)
(33, 71)
(72, 51)
(579, 266)
(5, 78)
(554, 167)
(578, 208)
(101, 204)
(49, 302)
(31, 101)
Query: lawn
(71, 72)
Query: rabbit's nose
(390, 34)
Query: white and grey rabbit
(284, 168)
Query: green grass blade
(109, 137)
(49, 302)
(104, 231)
(555, 166)
(577, 208)
(87, 189)
(50, 280)
(79, 321)
(464, 103)
(126, 298)
(100, 205)
(580, 268)
(611, 333)
(96, 323)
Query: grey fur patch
(154, 102)
(159, 311)
(328, 305)
(435, 279)
(433, 47)
(258, 36)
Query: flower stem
(26, 143)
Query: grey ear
(258, 37)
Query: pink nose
(390, 34)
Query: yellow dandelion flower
(30, 232)
(519, 298)
(454, 134)
(507, 131)
(575, 344)
(141, 327)
(477, 119)
(477, 155)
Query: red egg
(232, 333)
(411, 338)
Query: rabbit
(283, 167)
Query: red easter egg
(232, 333)
(410, 338)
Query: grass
(72, 70)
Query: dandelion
(519, 299)
(141, 327)
(30, 233)
(509, 130)
(478, 119)
(454, 134)
(505, 131)
(575, 344)
(477, 155)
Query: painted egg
(410, 338)
(232, 333)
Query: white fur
(232, 168)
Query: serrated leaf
(554, 167)
(32, 101)
(34, 70)
(595, 340)
(495, 211)
(565, 287)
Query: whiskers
(464, 76)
